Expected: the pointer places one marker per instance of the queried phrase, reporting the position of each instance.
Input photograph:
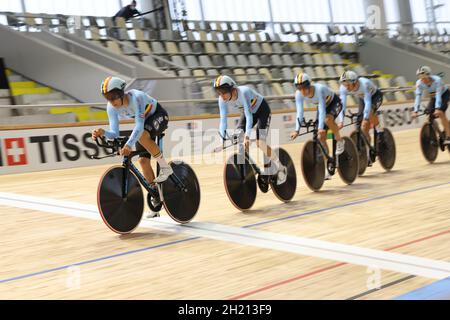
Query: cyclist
(255, 111)
(328, 108)
(150, 121)
(439, 93)
(370, 99)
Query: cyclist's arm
(138, 129)
(322, 110)
(438, 101)
(223, 117)
(300, 110)
(418, 97)
(343, 96)
(113, 123)
(367, 102)
(248, 119)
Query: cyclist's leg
(262, 130)
(154, 126)
(431, 106)
(331, 123)
(147, 170)
(373, 119)
(262, 120)
(442, 110)
(377, 100)
(333, 110)
(144, 161)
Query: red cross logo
(15, 151)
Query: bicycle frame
(247, 157)
(316, 140)
(431, 122)
(241, 153)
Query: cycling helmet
(114, 85)
(224, 82)
(349, 76)
(423, 71)
(302, 80)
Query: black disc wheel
(121, 213)
(313, 166)
(240, 182)
(285, 191)
(386, 149)
(348, 166)
(429, 142)
(181, 193)
(362, 152)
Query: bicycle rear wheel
(286, 190)
(181, 205)
(121, 214)
(240, 182)
(429, 142)
(313, 166)
(387, 150)
(362, 152)
(348, 162)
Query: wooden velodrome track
(71, 254)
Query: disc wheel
(121, 214)
(240, 182)
(387, 150)
(181, 204)
(285, 191)
(313, 166)
(429, 143)
(348, 167)
(362, 152)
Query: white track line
(303, 246)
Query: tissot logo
(15, 152)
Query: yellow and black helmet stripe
(217, 82)
(105, 84)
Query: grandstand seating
(246, 50)
(28, 92)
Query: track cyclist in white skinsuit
(255, 111)
(328, 108)
(439, 94)
(370, 99)
(151, 120)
